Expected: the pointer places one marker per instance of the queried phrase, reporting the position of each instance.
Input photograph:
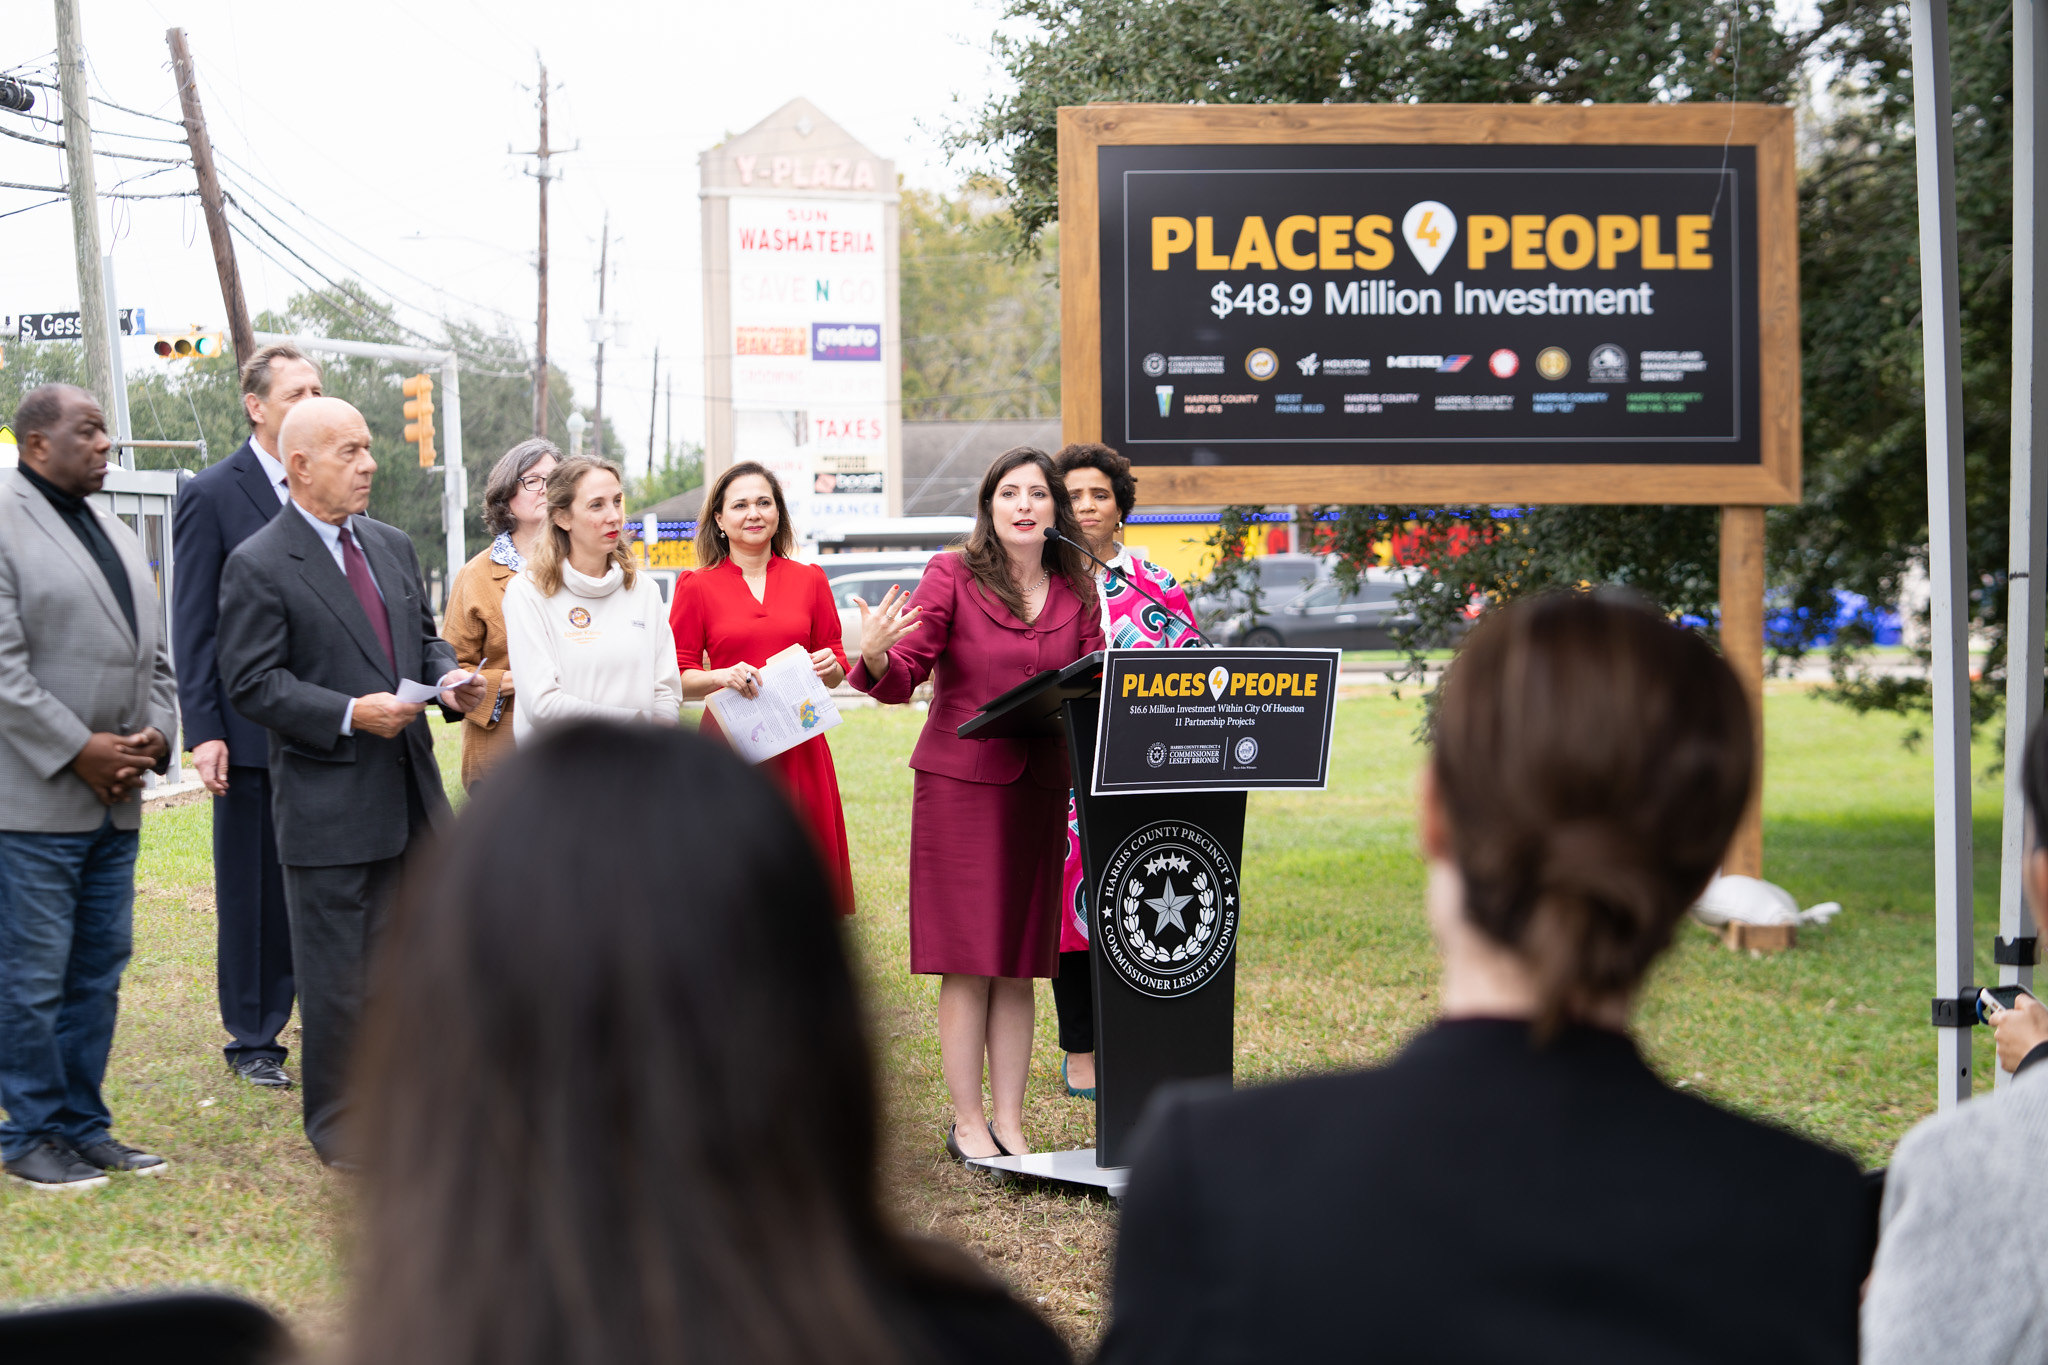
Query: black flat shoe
(1000, 1149)
(953, 1145)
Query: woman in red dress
(747, 602)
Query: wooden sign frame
(1767, 128)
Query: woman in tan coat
(515, 510)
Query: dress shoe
(952, 1145)
(54, 1166)
(1074, 1092)
(263, 1071)
(1000, 1149)
(109, 1155)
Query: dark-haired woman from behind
(646, 1132)
(1517, 1185)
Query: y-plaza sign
(1460, 303)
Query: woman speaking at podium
(1139, 602)
(985, 830)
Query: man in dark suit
(225, 505)
(323, 617)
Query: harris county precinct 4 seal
(1167, 914)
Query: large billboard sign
(808, 282)
(801, 358)
(1268, 304)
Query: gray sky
(381, 129)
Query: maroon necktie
(365, 588)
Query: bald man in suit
(323, 613)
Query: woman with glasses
(515, 509)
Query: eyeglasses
(534, 483)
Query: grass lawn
(1335, 969)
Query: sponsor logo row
(819, 341)
(1607, 364)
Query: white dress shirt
(330, 536)
(273, 469)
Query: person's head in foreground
(1555, 1199)
(1591, 761)
(615, 1095)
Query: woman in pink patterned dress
(1102, 491)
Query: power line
(158, 118)
(331, 283)
(43, 205)
(340, 236)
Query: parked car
(869, 577)
(665, 580)
(1329, 616)
(1280, 578)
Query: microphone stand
(1053, 533)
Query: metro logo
(846, 341)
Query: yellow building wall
(668, 554)
(1183, 550)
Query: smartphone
(1997, 998)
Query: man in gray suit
(323, 614)
(87, 705)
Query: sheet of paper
(410, 691)
(791, 706)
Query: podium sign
(1161, 844)
(1215, 720)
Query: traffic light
(192, 343)
(419, 415)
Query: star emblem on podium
(1169, 907)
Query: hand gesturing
(883, 626)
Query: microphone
(1053, 533)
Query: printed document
(411, 692)
(791, 706)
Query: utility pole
(85, 212)
(668, 435)
(540, 330)
(653, 398)
(239, 332)
(597, 417)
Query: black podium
(1163, 746)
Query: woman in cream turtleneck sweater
(589, 636)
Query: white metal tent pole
(1940, 331)
(455, 490)
(117, 383)
(2028, 518)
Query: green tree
(1863, 522)
(679, 472)
(203, 398)
(981, 321)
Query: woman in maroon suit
(988, 816)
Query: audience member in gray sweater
(1962, 1258)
